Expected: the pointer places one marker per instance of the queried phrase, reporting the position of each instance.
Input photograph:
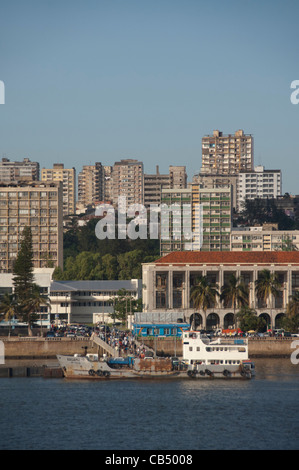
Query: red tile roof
(230, 257)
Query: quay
(48, 348)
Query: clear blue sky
(101, 80)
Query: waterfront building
(89, 301)
(39, 206)
(260, 183)
(68, 178)
(227, 154)
(167, 283)
(18, 171)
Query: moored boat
(219, 358)
(90, 366)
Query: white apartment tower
(259, 183)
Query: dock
(23, 371)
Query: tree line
(88, 258)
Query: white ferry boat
(90, 366)
(222, 357)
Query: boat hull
(83, 368)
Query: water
(261, 413)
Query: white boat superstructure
(222, 357)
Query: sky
(103, 80)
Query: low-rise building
(263, 239)
(89, 301)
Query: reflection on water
(261, 413)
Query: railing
(109, 349)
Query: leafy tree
(124, 303)
(248, 319)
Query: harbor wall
(37, 347)
(45, 348)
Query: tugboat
(219, 358)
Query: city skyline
(102, 81)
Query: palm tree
(8, 307)
(266, 286)
(235, 293)
(292, 313)
(203, 295)
(35, 303)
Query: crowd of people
(122, 341)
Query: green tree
(291, 321)
(248, 319)
(23, 278)
(267, 286)
(203, 295)
(124, 303)
(35, 303)
(234, 293)
(8, 307)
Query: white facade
(89, 301)
(259, 183)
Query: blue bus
(160, 329)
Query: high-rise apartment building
(90, 184)
(218, 181)
(178, 177)
(227, 154)
(216, 217)
(39, 206)
(154, 183)
(18, 171)
(68, 178)
(200, 219)
(107, 183)
(127, 181)
(259, 183)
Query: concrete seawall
(45, 348)
(48, 348)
